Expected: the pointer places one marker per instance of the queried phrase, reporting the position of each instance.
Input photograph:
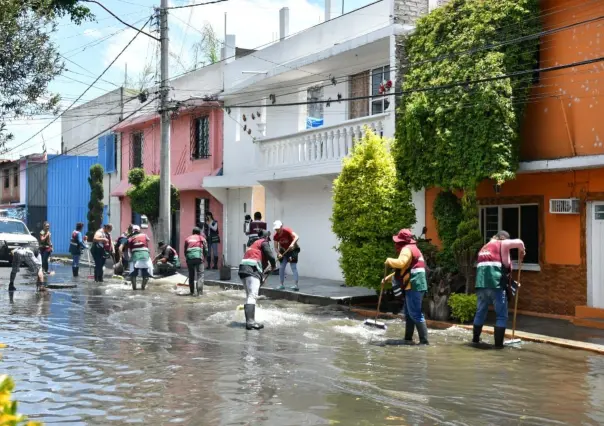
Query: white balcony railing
(315, 146)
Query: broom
(513, 341)
(374, 322)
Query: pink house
(196, 152)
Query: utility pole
(164, 171)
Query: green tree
(447, 212)
(468, 239)
(369, 207)
(95, 205)
(144, 196)
(30, 60)
(458, 136)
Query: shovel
(374, 322)
(514, 341)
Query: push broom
(514, 341)
(374, 322)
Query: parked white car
(14, 234)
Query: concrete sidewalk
(312, 290)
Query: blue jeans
(76, 260)
(293, 266)
(45, 256)
(496, 297)
(413, 305)
(213, 252)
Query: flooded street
(107, 355)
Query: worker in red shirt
(286, 245)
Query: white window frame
(382, 99)
(525, 266)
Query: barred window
(200, 137)
(136, 150)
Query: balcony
(314, 152)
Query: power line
(123, 22)
(192, 5)
(84, 92)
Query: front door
(595, 254)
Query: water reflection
(105, 354)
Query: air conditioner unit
(564, 206)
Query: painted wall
(566, 112)
(12, 193)
(66, 207)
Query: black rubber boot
(145, 281)
(422, 330)
(73, 271)
(11, 287)
(133, 280)
(77, 271)
(499, 336)
(250, 318)
(409, 329)
(477, 332)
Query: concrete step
(589, 322)
(589, 312)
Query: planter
(225, 273)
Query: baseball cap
(277, 224)
(136, 228)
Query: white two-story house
(282, 148)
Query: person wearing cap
(167, 260)
(492, 277)
(410, 275)
(140, 258)
(101, 250)
(286, 244)
(252, 272)
(196, 247)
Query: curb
(529, 337)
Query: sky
(89, 48)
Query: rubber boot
(73, 271)
(145, 281)
(77, 271)
(192, 287)
(422, 330)
(11, 284)
(199, 287)
(499, 336)
(133, 279)
(409, 329)
(250, 317)
(477, 332)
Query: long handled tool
(90, 276)
(513, 341)
(375, 323)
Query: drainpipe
(570, 138)
(225, 246)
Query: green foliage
(144, 195)
(429, 251)
(32, 61)
(8, 408)
(469, 239)
(463, 306)
(370, 205)
(458, 136)
(95, 205)
(448, 214)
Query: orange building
(556, 202)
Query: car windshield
(13, 228)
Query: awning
(187, 181)
(121, 189)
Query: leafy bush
(370, 205)
(95, 205)
(8, 408)
(448, 214)
(463, 306)
(429, 251)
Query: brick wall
(407, 11)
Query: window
(135, 218)
(136, 150)
(16, 177)
(6, 178)
(200, 137)
(359, 86)
(314, 116)
(521, 221)
(106, 153)
(202, 206)
(379, 76)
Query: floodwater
(107, 355)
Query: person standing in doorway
(492, 278)
(213, 239)
(286, 244)
(256, 226)
(76, 247)
(101, 249)
(45, 245)
(252, 272)
(410, 275)
(140, 258)
(196, 247)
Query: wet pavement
(103, 354)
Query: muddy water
(106, 355)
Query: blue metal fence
(68, 196)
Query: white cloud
(93, 33)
